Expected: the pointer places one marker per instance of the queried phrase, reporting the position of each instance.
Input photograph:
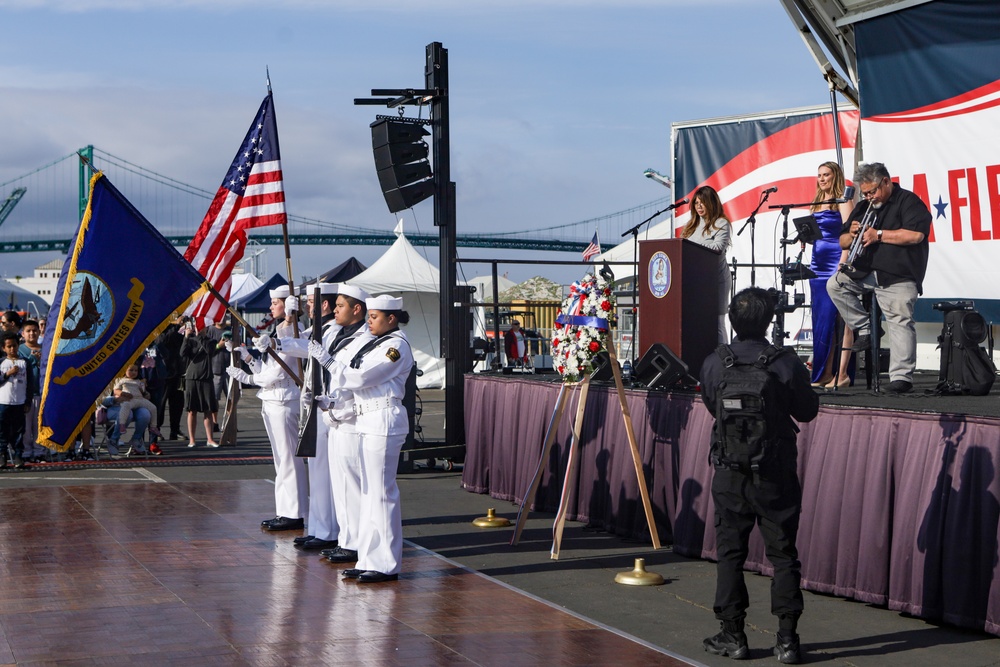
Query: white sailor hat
(280, 292)
(384, 302)
(329, 288)
(352, 291)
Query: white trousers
(345, 475)
(381, 534)
(291, 491)
(323, 522)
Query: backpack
(966, 368)
(746, 410)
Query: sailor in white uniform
(322, 525)
(279, 406)
(376, 376)
(345, 444)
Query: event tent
(242, 285)
(259, 300)
(402, 271)
(17, 298)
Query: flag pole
(284, 234)
(249, 327)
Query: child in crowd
(15, 396)
(31, 351)
(130, 393)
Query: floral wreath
(582, 326)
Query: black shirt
(896, 263)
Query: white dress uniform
(377, 377)
(279, 406)
(323, 522)
(345, 448)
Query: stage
(900, 493)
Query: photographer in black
(766, 492)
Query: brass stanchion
(639, 576)
(491, 520)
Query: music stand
(808, 229)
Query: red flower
(557, 326)
(605, 306)
(594, 346)
(607, 291)
(578, 332)
(555, 342)
(562, 369)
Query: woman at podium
(826, 258)
(710, 227)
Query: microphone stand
(752, 221)
(635, 280)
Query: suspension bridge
(40, 210)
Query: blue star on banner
(940, 206)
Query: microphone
(773, 188)
(679, 203)
(848, 196)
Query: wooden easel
(550, 437)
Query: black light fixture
(404, 174)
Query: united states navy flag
(121, 284)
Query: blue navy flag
(121, 284)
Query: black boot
(731, 641)
(787, 648)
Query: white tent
(243, 284)
(402, 271)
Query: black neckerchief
(341, 339)
(369, 346)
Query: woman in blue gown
(827, 256)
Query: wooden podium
(679, 299)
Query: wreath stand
(550, 437)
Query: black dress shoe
(340, 555)
(284, 523)
(352, 573)
(299, 541)
(862, 343)
(900, 387)
(266, 522)
(315, 544)
(373, 577)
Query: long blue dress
(825, 261)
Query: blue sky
(557, 106)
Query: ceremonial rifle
(313, 381)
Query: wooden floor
(165, 574)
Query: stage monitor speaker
(602, 368)
(404, 174)
(659, 368)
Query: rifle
(229, 428)
(314, 382)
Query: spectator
(197, 351)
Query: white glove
(262, 343)
(291, 304)
(323, 402)
(239, 374)
(319, 353)
(229, 345)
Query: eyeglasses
(871, 193)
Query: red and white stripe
(221, 239)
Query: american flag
(252, 195)
(593, 250)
